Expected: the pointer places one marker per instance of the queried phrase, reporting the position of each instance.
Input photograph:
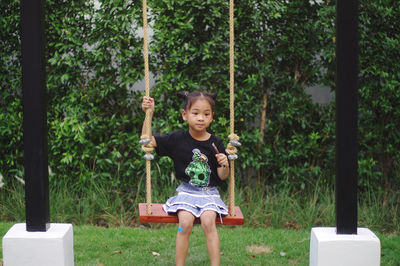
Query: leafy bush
(277, 48)
(379, 112)
(94, 55)
(11, 156)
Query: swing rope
(147, 145)
(231, 149)
(233, 138)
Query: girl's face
(199, 116)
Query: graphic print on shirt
(198, 169)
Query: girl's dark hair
(191, 98)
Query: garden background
(286, 167)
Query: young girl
(201, 164)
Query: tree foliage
(379, 92)
(94, 56)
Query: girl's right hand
(148, 104)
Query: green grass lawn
(239, 246)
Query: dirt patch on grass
(294, 262)
(259, 249)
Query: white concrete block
(51, 248)
(330, 249)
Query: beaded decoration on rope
(231, 149)
(147, 147)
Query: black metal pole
(346, 116)
(34, 112)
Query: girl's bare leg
(186, 220)
(210, 231)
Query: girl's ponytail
(211, 95)
(182, 94)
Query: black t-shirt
(194, 160)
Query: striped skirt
(196, 200)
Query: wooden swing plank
(158, 215)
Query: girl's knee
(185, 226)
(208, 224)
(185, 223)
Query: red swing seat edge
(158, 215)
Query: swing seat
(158, 215)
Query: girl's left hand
(222, 159)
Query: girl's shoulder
(179, 133)
(166, 143)
(218, 142)
(175, 134)
(215, 138)
(170, 137)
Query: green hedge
(94, 56)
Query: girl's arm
(223, 171)
(222, 159)
(148, 108)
